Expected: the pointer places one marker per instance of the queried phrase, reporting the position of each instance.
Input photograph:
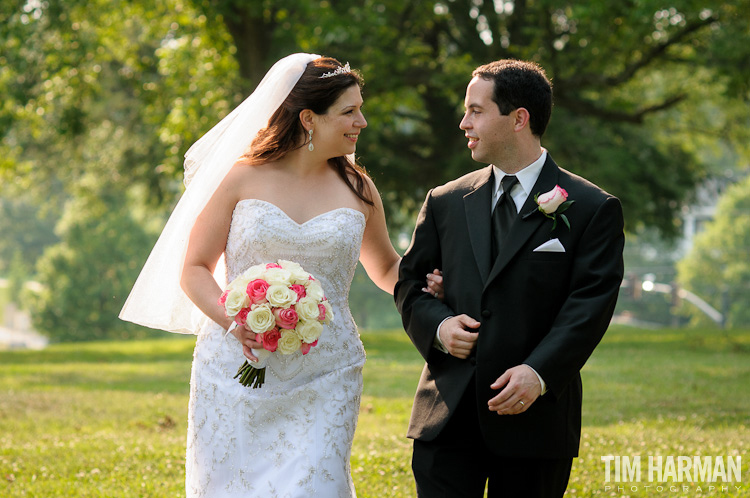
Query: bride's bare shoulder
(247, 180)
(242, 171)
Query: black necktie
(503, 215)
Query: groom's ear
(306, 118)
(521, 118)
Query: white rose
(298, 275)
(255, 271)
(307, 309)
(238, 283)
(329, 311)
(252, 273)
(261, 319)
(289, 342)
(314, 290)
(550, 201)
(309, 331)
(281, 296)
(278, 276)
(236, 300)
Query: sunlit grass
(109, 419)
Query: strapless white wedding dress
(292, 437)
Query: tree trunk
(252, 34)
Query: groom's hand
(458, 335)
(520, 388)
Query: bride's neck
(304, 163)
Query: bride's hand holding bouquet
(283, 305)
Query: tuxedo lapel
(528, 220)
(477, 206)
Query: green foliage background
(102, 95)
(88, 275)
(718, 266)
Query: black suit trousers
(459, 464)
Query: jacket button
(473, 361)
(486, 313)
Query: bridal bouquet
(284, 305)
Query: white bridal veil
(156, 300)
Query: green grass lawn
(109, 419)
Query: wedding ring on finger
(521, 403)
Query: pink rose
(286, 318)
(549, 202)
(300, 290)
(306, 347)
(271, 340)
(241, 317)
(272, 265)
(322, 315)
(223, 298)
(256, 291)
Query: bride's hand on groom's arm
(435, 284)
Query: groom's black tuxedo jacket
(548, 310)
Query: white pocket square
(553, 245)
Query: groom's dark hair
(520, 84)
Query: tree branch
(656, 51)
(631, 69)
(589, 108)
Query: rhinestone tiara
(339, 70)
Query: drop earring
(310, 146)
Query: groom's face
(489, 133)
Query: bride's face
(338, 129)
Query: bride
(296, 194)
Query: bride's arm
(380, 259)
(377, 254)
(207, 241)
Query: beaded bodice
(326, 246)
(292, 436)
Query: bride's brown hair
(285, 132)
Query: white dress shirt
(527, 177)
(520, 192)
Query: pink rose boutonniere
(554, 203)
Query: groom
(528, 296)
